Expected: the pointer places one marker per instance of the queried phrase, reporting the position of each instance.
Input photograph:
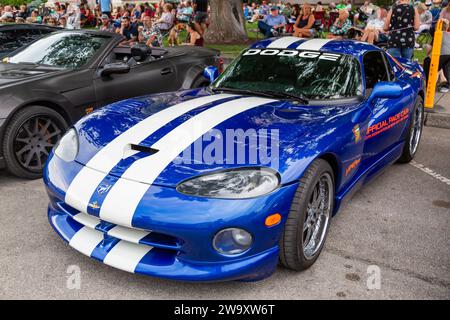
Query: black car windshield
(310, 74)
(69, 50)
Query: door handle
(166, 71)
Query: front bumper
(179, 245)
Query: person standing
(402, 20)
(201, 15)
(106, 7)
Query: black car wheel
(29, 137)
(200, 82)
(414, 132)
(307, 225)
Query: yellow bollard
(434, 65)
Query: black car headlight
(239, 183)
(67, 147)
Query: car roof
(94, 32)
(27, 26)
(351, 47)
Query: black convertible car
(54, 81)
(16, 35)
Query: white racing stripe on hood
(86, 181)
(284, 42)
(313, 44)
(121, 202)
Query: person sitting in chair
(341, 26)
(303, 27)
(272, 23)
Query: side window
(25, 36)
(8, 41)
(374, 69)
(389, 69)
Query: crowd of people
(396, 27)
(141, 22)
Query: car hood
(12, 73)
(274, 133)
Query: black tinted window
(8, 41)
(374, 69)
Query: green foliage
(14, 2)
(383, 3)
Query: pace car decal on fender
(387, 124)
(357, 133)
(352, 166)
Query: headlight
(67, 148)
(233, 184)
(232, 241)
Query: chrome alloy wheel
(416, 129)
(317, 216)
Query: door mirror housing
(116, 67)
(211, 73)
(385, 90)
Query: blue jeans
(401, 52)
(265, 29)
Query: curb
(438, 120)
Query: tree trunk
(227, 22)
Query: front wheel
(414, 132)
(307, 225)
(29, 137)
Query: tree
(227, 23)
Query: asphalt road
(399, 223)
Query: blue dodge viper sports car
(225, 182)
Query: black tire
(200, 82)
(411, 145)
(292, 253)
(23, 141)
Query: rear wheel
(414, 133)
(29, 137)
(200, 82)
(308, 221)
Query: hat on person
(274, 8)
(428, 3)
(105, 16)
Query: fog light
(232, 241)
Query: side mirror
(385, 90)
(116, 67)
(211, 73)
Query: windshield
(311, 74)
(65, 50)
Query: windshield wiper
(265, 93)
(299, 97)
(242, 91)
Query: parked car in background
(56, 80)
(13, 36)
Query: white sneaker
(443, 89)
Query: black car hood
(10, 73)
